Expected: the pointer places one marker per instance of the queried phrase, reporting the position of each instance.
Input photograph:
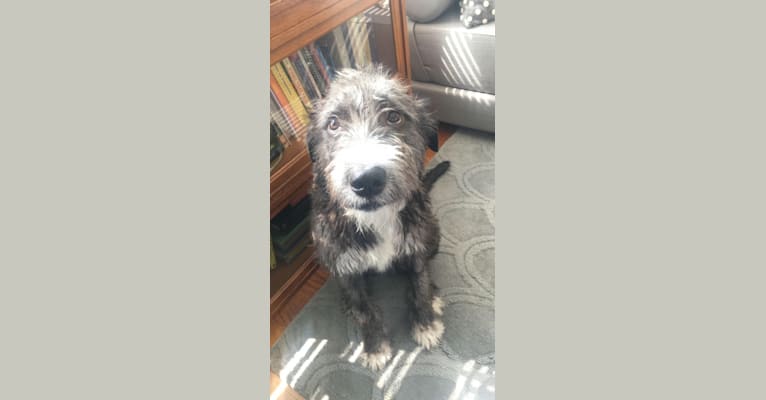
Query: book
(284, 105)
(305, 76)
(316, 75)
(295, 80)
(340, 51)
(347, 43)
(279, 117)
(291, 216)
(327, 70)
(357, 39)
(291, 95)
(295, 251)
(305, 73)
(366, 26)
(286, 242)
(371, 41)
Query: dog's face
(367, 138)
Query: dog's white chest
(387, 227)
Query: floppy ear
(429, 129)
(432, 138)
(428, 126)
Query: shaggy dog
(370, 204)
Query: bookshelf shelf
(288, 277)
(291, 175)
(296, 23)
(310, 41)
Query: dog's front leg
(377, 350)
(426, 310)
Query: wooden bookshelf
(291, 179)
(287, 278)
(296, 24)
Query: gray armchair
(452, 66)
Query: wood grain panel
(293, 175)
(302, 271)
(295, 301)
(401, 45)
(296, 23)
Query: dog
(371, 210)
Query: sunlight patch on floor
(394, 388)
(308, 362)
(387, 373)
(357, 353)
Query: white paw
(377, 360)
(428, 336)
(438, 305)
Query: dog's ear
(427, 125)
(432, 138)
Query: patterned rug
(318, 355)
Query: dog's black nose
(370, 182)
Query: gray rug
(318, 353)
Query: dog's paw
(428, 335)
(438, 305)
(375, 361)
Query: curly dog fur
(370, 204)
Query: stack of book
(303, 77)
(290, 231)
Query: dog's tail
(434, 173)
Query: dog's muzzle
(369, 183)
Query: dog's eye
(333, 124)
(394, 118)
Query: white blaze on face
(358, 154)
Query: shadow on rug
(318, 353)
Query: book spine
(321, 63)
(340, 48)
(279, 117)
(328, 53)
(366, 24)
(308, 76)
(305, 76)
(311, 66)
(365, 40)
(347, 43)
(296, 83)
(284, 104)
(353, 41)
(290, 94)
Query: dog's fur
(352, 130)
